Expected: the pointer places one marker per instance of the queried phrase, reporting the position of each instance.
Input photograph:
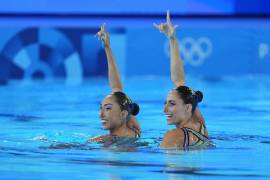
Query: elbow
(178, 82)
(118, 89)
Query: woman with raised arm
(181, 103)
(117, 111)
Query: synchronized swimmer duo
(117, 111)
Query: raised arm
(177, 69)
(114, 76)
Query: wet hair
(189, 96)
(125, 103)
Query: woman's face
(176, 111)
(110, 114)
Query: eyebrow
(107, 104)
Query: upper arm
(179, 83)
(173, 139)
(197, 116)
(134, 125)
(119, 89)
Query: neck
(120, 131)
(185, 123)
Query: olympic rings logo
(193, 51)
(263, 50)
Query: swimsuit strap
(136, 135)
(198, 135)
(202, 129)
(186, 137)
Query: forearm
(114, 77)
(177, 68)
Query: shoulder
(173, 138)
(174, 132)
(100, 138)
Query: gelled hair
(125, 103)
(189, 96)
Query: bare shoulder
(173, 139)
(100, 138)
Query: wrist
(173, 41)
(173, 36)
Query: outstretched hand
(167, 28)
(103, 35)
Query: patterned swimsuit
(202, 139)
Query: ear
(124, 114)
(188, 107)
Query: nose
(165, 109)
(101, 113)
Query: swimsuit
(202, 139)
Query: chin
(105, 127)
(169, 122)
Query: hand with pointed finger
(167, 28)
(104, 36)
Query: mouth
(169, 116)
(103, 121)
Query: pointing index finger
(168, 17)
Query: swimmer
(117, 111)
(181, 104)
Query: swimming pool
(36, 116)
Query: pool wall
(47, 48)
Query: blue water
(37, 116)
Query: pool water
(36, 117)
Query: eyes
(106, 107)
(170, 103)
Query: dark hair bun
(134, 109)
(199, 95)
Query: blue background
(55, 39)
